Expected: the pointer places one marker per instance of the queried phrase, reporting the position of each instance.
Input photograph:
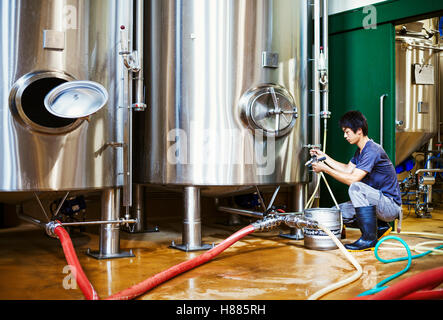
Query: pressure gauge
(269, 108)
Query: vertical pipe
(110, 233)
(192, 221)
(325, 44)
(299, 197)
(316, 80)
(139, 103)
(139, 208)
(297, 204)
(128, 96)
(429, 166)
(382, 108)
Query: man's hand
(318, 153)
(319, 167)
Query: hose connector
(295, 221)
(268, 223)
(272, 221)
(50, 228)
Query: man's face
(351, 136)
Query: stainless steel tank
(226, 84)
(46, 43)
(417, 69)
(227, 89)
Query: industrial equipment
(65, 52)
(227, 87)
(417, 68)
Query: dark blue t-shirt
(381, 173)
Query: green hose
(380, 286)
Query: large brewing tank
(227, 89)
(417, 69)
(44, 44)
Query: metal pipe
(422, 46)
(191, 221)
(247, 213)
(131, 66)
(110, 211)
(138, 208)
(273, 198)
(30, 219)
(41, 206)
(61, 204)
(420, 171)
(429, 184)
(191, 236)
(139, 103)
(382, 99)
(298, 196)
(316, 77)
(83, 223)
(316, 98)
(325, 45)
(109, 246)
(128, 174)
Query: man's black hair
(354, 120)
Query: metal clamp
(325, 114)
(312, 146)
(131, 61)
(139, 106)
(50, 228)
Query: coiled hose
(411, 288)
(405, 291)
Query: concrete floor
(262, 266)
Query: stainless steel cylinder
(297, 198)
(417, 69)
(109, 245)
(228, 93)
(317, 239)
(191, 235)
(110, 233)
(192, 221)
(50, 42)
(138, 208)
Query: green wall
(362, 68)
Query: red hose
(163, 276)
(412, 284)
(412, 288)
(436, 294)
(138, 289)
(77, 271)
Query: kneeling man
(374, 192)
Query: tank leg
(138, 212)
(191, 236)
(110, 233)
(298, 205)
